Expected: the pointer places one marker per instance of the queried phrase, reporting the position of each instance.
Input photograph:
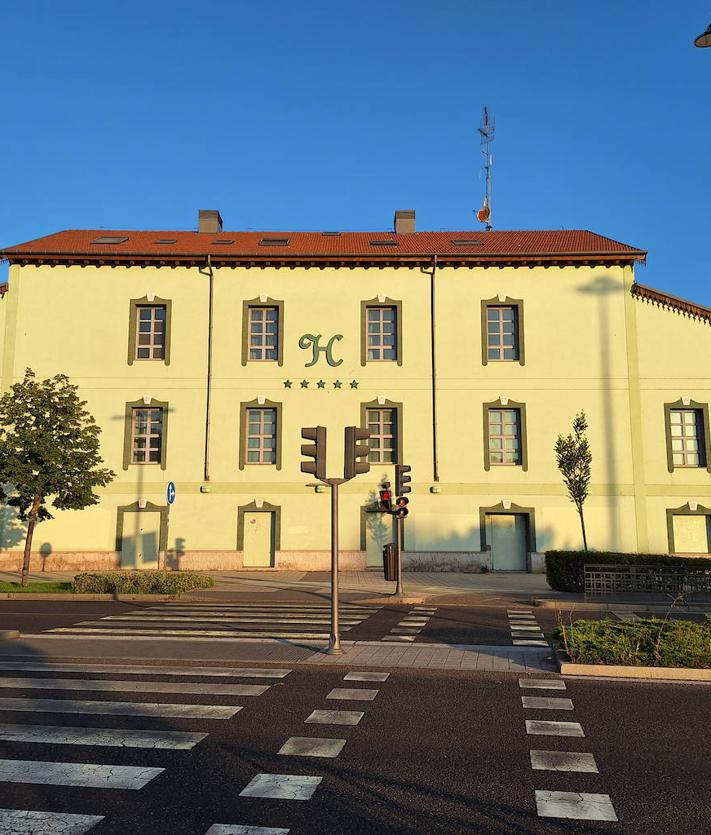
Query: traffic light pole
(399, 539)
(334, 641)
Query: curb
(9, 634)
(547, 603)
(64, 596)
(647, 673)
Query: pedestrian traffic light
(386, 498)
(355, 452)
(402, 479)
(400, 510)
(315, 450)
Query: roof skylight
(110, 239)
(274, 242)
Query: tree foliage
(574, 460)
(49, 450)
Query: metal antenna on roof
(486, 130)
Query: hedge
(565, 570)
(649, 643)
(140, 582)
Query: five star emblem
(304, 384)
(354, 384)
(321, 384)
(287, 384)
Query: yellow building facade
(203, 354)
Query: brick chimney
(405, 222)
(209, 221)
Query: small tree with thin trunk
(573, 456)
(49, 451)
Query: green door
(507, 534)
(140, 539)
(258, 539)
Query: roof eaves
(666, 300)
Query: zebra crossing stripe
(542, 683)
(108, 737)
(399, 638)
(281, 786)
(176, 711)
(26, 822)
(218, 619)
(241, 829)
(87, 775)
(540, 727)
(353, 694)
(575, 806)
(105, 686)
(186, 633)
(226, 672)
(546, 703)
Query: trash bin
(390, 562)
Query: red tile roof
(192, 247)
(657, 297)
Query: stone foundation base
(466, 562)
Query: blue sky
(319, 115)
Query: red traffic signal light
(386, 499)
(355, 451)
(316, 450)
(401, 504)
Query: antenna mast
(486, 130)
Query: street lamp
(705, 38)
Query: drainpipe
(433, 349)
(207, 270)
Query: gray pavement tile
(575, 805)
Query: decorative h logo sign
(309, 340)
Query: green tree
(49, 451)
(574, 458)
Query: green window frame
(673, 437)
(244, 411)
(397, 422)
(128, 433)
(135, 307)
(499, 406)
(246, 323)
(365, 306)
(516, 305)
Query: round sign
(170, 492)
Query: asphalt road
(435, 753)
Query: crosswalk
(227, 621)
(104, 769)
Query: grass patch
(643, 643)
(140, 582)
(48, 587)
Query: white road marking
(241, 829)
(406, 630)
(109, 737)
(334, 717)
(227, 672)
(366, 676)
(546, 703)
(281, 787)
(575, 805)
(519, 611)
(413, 621)
(307, 746)
(353, 694)
(523, 627)
(219, 619)
(400, 638)
(26, 822)
(186, 633)
(563, 761)
(519, 642)
(540, 727)
(542, 683)
(528, 635)
(120, 708)
(89, 775)
(105, 686)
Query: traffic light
(402, 479)
(356, 451)
(400, 510)
(315, 450)
(386, 498)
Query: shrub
(648, 643)
(565, 570)
(140, 582)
